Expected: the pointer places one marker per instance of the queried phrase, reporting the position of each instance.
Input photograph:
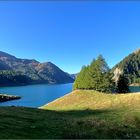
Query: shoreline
(20, 85)
(134, 85)
(41, 107)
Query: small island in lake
(5, 97)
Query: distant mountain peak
(50, 63)
(37, 72)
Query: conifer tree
(101, 79)
(122, 85)
(79, 82)
(96, 76)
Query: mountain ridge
(37, 72)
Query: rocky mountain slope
(130, 67)
(31, 70)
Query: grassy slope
(81, 114)
(97, 115)
(88, 99)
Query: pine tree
(79, 82)
(122, 85)
(103, 78)
(96, 76)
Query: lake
(134, 89)
(35, 95)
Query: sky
(70, 34)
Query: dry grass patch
(88, 99)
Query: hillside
(29, 71)
(89, 99)
(91, 114)
(130, 67)
(81, 114)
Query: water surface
(134, 88)
(35, 95)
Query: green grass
(81, 114)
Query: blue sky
(70, 34)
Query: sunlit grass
(88, 99)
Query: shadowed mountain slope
(130, 67)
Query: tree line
(9, 77)
(99, 77)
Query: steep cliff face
(117, 73)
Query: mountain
(27, 71)
(130, 67)
(73, 76)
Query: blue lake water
(134, 89)
(35, 95)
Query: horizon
(70, 34)
(60, 67)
